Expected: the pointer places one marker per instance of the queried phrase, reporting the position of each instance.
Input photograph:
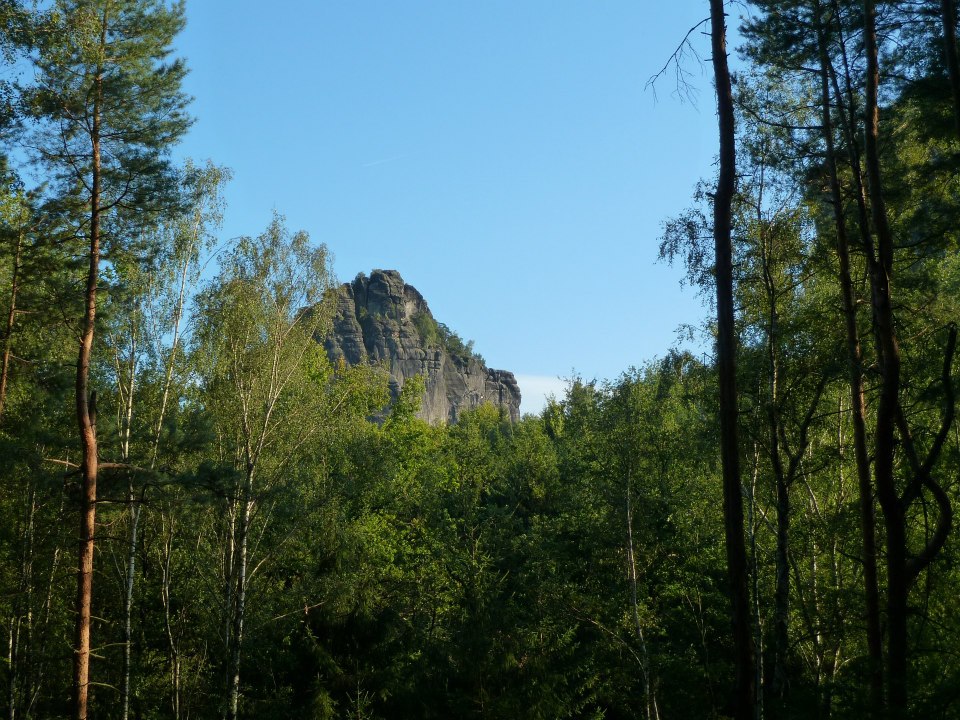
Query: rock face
(381, 319)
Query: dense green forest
(200, 519)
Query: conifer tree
(108, 106)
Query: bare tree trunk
(87, 421)
(727, 370)
(858, 403)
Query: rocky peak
(381, 319)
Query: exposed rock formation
(381, 319)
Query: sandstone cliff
(381, 319)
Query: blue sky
(503, 155)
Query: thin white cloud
(535, 389)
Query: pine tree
(107, 107)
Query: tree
(149, 299)
(827, 75)
(727, 369)
(109, 106)
(273, 399)
(902, 569)
(892, 190)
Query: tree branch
(683, 87)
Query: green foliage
(454, 344)
(109, 59)
(568, 565)
(428, 328)
(438, 335)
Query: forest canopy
(203, 517)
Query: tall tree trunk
(240, 597)
(727, 368)
(858, 403)
(851, 132)
(11, 318)
(87, 421)
(12, 641)
(173, 653)
(125, 430)
(38, 659)
(754, 571)
(650, 700)
(781, 597)
(229, 588)
(888, 407)
(134, 507)
(20, 647)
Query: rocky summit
(381, 319)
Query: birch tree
(263, 372)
